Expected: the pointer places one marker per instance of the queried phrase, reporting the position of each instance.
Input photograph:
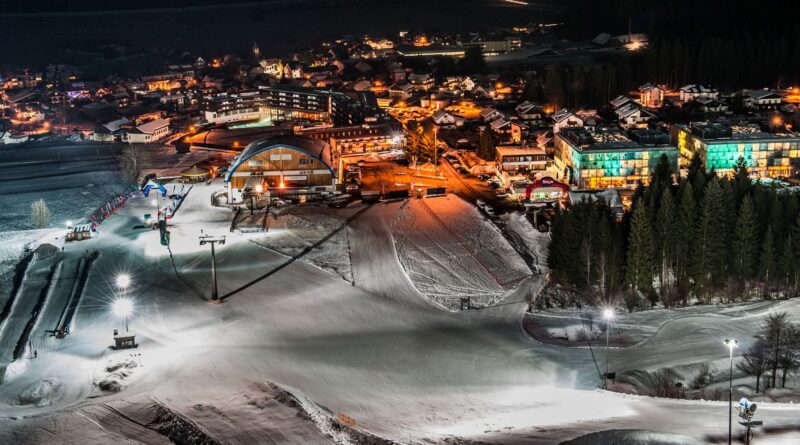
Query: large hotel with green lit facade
(610, 158)
(720, 146)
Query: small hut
(194, 174)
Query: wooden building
(285, 165)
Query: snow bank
(532, 240)
(632, 437)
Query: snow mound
(41, 393)
(114, 375)
(532, 240)
(632, 437)
(449, 250)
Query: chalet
(632, 115)
(148, 132)
(763, 100)
(490, 114)
(110, 131)
(530, 113)
(710, 105)
(689, 93)
(446, 119)
(565, 119)
(508, 131)
(619, 101)
(401, 91)
(421, 81)
(651, 96)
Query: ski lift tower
(209, 239)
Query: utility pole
(209, 239)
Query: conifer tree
(684, 236)
(745, 241)
(767, 264)
(639, 274)
(665, 240)
(710, 241)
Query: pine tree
(685, 226)
(767, 264)
(639, 274)
(711, 240)
(741, 180)
(665, 224)
(786, 265)
(745, 240)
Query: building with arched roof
(289, 165)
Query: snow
(379, 350)
(450, 251)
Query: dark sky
(278, 26)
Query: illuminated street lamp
(730, 344)
(123, 307)
(123, 280)
(608, 314)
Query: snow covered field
(374, 353)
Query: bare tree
(789, 359)
(755, 361)
(40, 214)
(704, 376)
(131, 163)
(776, 332)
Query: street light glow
(122, 307)
(731, 344)
(123, 280)
(608, 314)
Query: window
(306, 161)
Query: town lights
(259, 188)
(69, 224)
(730, 344)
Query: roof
(194, 171)
(619, 101)
(519, 151)
(152, 126)
(316, 148)
(698, 89)
(115, 125)
(562, 115)
(763, 94)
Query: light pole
(608, 314)
(208, 239)
(123, 307)
(730, 343)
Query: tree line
(696, 238)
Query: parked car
(489, 210)
(480, 203)
(351, 188)
(361, 163)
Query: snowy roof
(562, 115)
(698, 89)
(763, 94)
(619, 101)
(116, 124)
(152, 126)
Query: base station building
(284, 166)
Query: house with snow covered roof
(148, 132)
(446, 119)
(689, 93)
(631, 115)
(763, 100)
(564, 119)
(651, 96)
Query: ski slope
(375, 350)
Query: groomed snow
(375, 351)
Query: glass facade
(777, 157)
(624, 167)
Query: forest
(695, 239)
